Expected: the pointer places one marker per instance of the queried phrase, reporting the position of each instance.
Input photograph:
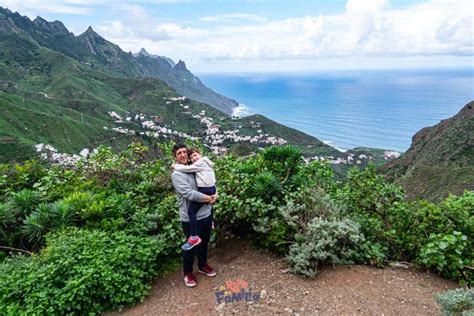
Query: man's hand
(207, 199)
(214, 198)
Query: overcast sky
(277, 35)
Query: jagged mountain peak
(56, 26)
(39, 20)
(92, 48)
(181, 66)
(90, 33)
(144, 52)
(5, 10)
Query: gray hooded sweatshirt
(186, 189)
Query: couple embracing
(194, 181)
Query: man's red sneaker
(190, 280)
(207, 270)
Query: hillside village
(215, 138)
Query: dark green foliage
(115, 213)
(38, 223)
(25, 200)
(445, 253)
(8, 216)
(439, 236)
(79, 272)
(266, 186)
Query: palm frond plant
(38, 223)
(63, 215)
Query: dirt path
(345, 290)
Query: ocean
(379, 109)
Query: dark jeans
(204, 231)
(194, 207)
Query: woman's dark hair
(177, 147)
(193, 150)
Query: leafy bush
(122, 213)
(325, 242)
(457, 302)
(7, 218)
(79, 272)
(440, 236)
(20, 176)
(444, 252)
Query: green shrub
(444, 252)
(457, 302)
(124, 206)
(325, 242)
(20, 176)
(379, 208)
(7, 217)
(281, 160)
(265, 186)
(38, 224)
(25, 200)
(79, 272)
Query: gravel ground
(343, 290)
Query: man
(186, 189)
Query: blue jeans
(204, 227)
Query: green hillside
(19, 34)
(439, 160)
(59, 89)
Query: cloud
(32, 7)
(233, 16)
(140, 25)
(365, 30)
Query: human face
(181, 156)
(195, 157)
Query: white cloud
(233, 16)
(32, 7)
(367, 30)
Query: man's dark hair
(178, 146)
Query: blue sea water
(381, 109)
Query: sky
(238, 36)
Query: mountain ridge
(92, 48)
(49, 96)
(439, 160)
